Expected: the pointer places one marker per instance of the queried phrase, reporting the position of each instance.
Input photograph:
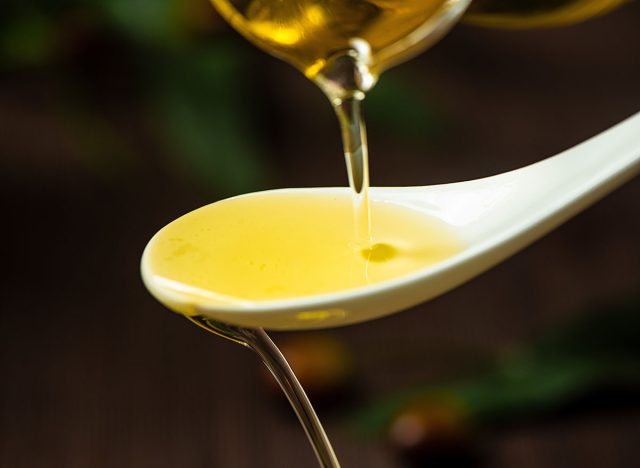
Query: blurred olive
(433, 431)
(322, 363)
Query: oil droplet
(379, 253)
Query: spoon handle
(553, 190)
(515, 208)
(587, 172)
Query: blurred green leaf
(614, 334)
(208, 119)
(146, 20)
(28, 40)
(597, 350)
(197, 89)
(399, 105)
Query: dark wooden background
(95, 373)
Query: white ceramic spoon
(496, 216)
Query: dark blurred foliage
(599, 351)
(174, 60)
(588, 365)
(166, 57)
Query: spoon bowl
(495, 217)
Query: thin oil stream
(354, 139)
(345, 79)
(258, 341)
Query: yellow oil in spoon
(279, 245)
